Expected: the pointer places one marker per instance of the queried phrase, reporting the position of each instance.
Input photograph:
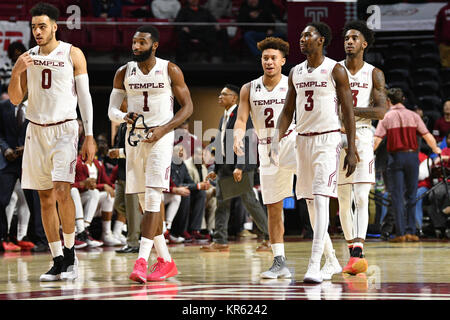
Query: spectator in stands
(107, 8)
(102, 154)
(187, 216)
(423, 186)
(125, 204)
(401, 126)
(186, 139)
(442, 34)
(256, 11)
(198, 38)
(15, 49)
(96, 198)
(219, 8)
(165, 9)
(442, 125)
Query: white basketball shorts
(317, 165)
(365, 169)
(148, 164)
(50, 154)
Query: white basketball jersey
(150, 94)
(266, 106)
(361, 86)
(316, 103)
(51, 86)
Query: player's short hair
(274, 43)
(154, 33)
(395, 95)
(233, 88)
(324, 30)
(362, 27)
(45, 9)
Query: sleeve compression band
(85, 102)
(115, 101)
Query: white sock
(80, 225)
(21, 231)
(161, 248)
(56, 249)
(278, 249)
(69, 239)
(145, 247)
(106, 226)
(328, 246)
(117, 230)
(317, 250)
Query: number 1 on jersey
(145, 93)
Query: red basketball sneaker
(139, 273)
(162, 270)
(356, 265)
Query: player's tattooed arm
(379, 106)
(344, 96)
(285, 119)
(183, 96)
(241, 120)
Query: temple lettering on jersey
(48, 63)
(359, 85)
(311, 84)
(134, 86)
(268, 102)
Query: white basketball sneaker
(330, 267)
(313, 274)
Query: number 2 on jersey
(146, 108)
(268, 112)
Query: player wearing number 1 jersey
(369, 100)
(49, 74)
(263, 99)
(315, 87)
(150, 85)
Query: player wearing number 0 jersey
(150, 84)
(369, 100)
(315, 86)
(263, 99)
(48, 75)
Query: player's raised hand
(88, 150)
(22, 63)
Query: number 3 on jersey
(309, 99)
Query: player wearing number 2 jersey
(48, 75)
(315, 87)
(369, 100)
(150, 85)
(263, 99)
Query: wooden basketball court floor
(405, 271)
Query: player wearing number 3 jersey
(369, 99)
(48, 74)
(315, 87)
(150, 84)
(263, 99)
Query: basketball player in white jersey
(369, 99)
(149, 85)
(48, 74)
(263, 99)
(315, 87)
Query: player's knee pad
(153, 198)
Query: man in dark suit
(13, 126)
(228, 164)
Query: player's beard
(143, 56)
(48, 40)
